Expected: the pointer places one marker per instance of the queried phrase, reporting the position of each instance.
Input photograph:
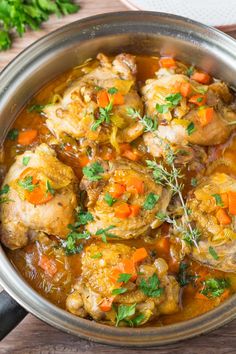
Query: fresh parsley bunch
(18, 15)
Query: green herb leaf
(150, 201)
(93, 171)
(27, 183)
(213, 253)
(191, 128)
(124, 278)
(36, 108)
(13, 134)
(150, 124)
(174, 98)
(190, 236)
(97, 255)
(109, 199)
(104, 233)
(124, 312)
(112, 90)
(5, 40)
(119, 291)
(5, 189)
(184, 278)
(190, 71)
(214, 287)
(71, 246)
(25, 160)
(104, 116)
(136, 321)
(49, 188)
(218, 199)
(163, 108)
(151, 287)
(199, 99)
(193, 182)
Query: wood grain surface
(33, 336)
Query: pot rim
(19, 289)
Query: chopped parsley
(25, 160)
(190, 71)
(97, 255)
(36, 108)
(193, 182)
(27, 183)
(172, 101)
(163, 108)
(190, 236)
(93, 171)
(104, 116)
(151, 287)
(124, 312)
(174, 98)
(214, 287)
(199, 99)
(184, 278)
(109, 199)
(218, 200)
(112, 90)
(136, 321)
(124, 278)
(13, 134)
(104, 233)
(190, 128)
(71, 246)
(151, 201)
(119, 291)
(49, 188)
(213, 253)
(5, 189)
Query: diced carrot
(83, 160)
(131, 155)
(48, 265)
(200, 296)
(134, 185)
(202, 78)
(173, 265)
(135, 210)
(167, 63)
(27, 137)
(198, 99)
(68, 148)
(139, 255)
(205, 115)
(225, 295)
(225, 200)
(129, 268)
(122, 211)
(232, 202)
(106, 304)
(102, 98)
(185, 89)
(124, 147)
(115, 275)
(117, 190)
(118, 99)
(223, 217)
(163, 246)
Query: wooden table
(35, 337)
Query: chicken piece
(130, 186)
(78, 110)
(213, 215)
(102, 265)
(178, 114)
(41, 197)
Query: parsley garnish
(193, 182)
(124, 278)
(119, 291)
(174, 98)
(218, 200)
(104, 116)
(70, 244)
(13, 134)
(213, 253)
(5, 189)
(109, 199)
(172, 101)
(190, 128)
(150, 201)
(93, 171)
(136, 321)
(36, 108)
(49, 188)
(112, 90)
(214, 287)
(97, 255)
(104, 233)
(25, 160)
(27, 183)
(184, 278)
(190, 71)
(21, 14)
(151, 287)
(199, 99)
(125, 311)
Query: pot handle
(11, 313)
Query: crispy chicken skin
(175, 130)
(78, 109)
(19, 217)
(97, 283)
(124, 172)
(215, 232)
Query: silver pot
(134, 32)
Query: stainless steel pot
(135, 32)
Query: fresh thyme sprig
(169, 177)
